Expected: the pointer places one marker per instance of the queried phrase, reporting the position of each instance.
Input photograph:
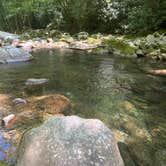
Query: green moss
(91, 40)
(122, 47)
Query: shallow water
(115, 90)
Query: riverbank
(152, 46)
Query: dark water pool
(117, 91)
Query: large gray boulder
(6, 36)
(11, 54)
(69, 141)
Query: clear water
(115, 90)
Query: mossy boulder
(120, 47)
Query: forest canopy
(115, 16)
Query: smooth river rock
(69, 141)
(11, 54)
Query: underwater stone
(35, 81)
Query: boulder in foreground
(66, 141)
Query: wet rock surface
(65, 141)
(41, 107)
(9, 54)
(6, 35)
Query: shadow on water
(114, 90)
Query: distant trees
(138, 15)
(83, 15)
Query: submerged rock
(19, 101)
(34, 86)
(35, 81)
(41, 107)
(66, 141)
(11, 54)
(53, 104)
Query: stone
(19, 101)
(163, 56)
(97, 36)
(120, 47)
(8, 120)
(61, 44)
(39, 108)
(154, 53)
(68, 40)
(139, 53)
(53, 104)
(150, 39)
(35, 81)
(1, 43)
(79, 45)
(137, 42)
(82, 35)
(11, 54)
(5, 36)
(66, 141)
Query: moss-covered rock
(120, 47)
(91, 40)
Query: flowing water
(115, 90)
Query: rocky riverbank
(152, 46)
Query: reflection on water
(115, 90)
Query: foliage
(139, 15)
(83, 15)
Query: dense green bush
(83, 15)
(139, 15)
